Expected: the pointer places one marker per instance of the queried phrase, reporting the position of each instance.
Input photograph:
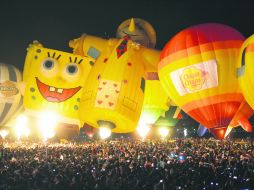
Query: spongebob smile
(54, 94)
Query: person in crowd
(128, 164)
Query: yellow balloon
(155, 102)
(54, 82)
(113, 93)
(139, 30)
(245, 69)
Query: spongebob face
(54, 80)
(66, 75)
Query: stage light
(26, 131)
(4, 133)
(48, 118)
(163, 131)
(20, 127)
(104, 132)
(47, 123)
(143, 130)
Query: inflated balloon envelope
(197, 70)
(246, 81)
(54, 82)
(155, 100)
(114, 91)
(89, 130)
(170, 118)
(201, 130)
(241, 118)
(11, 100)
(245, 70)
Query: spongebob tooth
(52, 89)
(60, 90)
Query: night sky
(54, 23)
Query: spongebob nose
(60, 79)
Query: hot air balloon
(245, 70)
(168, 120)
(155, 100)
(241, 118)
(11, 100)
(114, 91)
(53, 86)
(202, 130)
(89, 130)
(197, 71)
(139, 30)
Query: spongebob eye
(72, 69)
(49, 67)
(48, 64)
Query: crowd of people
(128, 164)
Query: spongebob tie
(122, 48)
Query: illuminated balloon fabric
(197, 72)
(144, 35)
(89, 130)
(10, 96)
(170, 118)
(245, 70)
(114, 91)
(241, 118)
(201, 130)
(155, 101)
(54, 82)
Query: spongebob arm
(29, 57)
(27, 72)
(88, 45)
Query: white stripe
(13, 109)
(18, 74)
(1, 110)
(4, 75)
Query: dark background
(54, 23)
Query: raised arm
(88, 45)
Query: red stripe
(201, 34)
(215, 115)
(219, 133)
(168, 57)
(230, 97)
(202, 38)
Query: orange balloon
(197, 70)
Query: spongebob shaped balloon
(114, 91)
(53, 83)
